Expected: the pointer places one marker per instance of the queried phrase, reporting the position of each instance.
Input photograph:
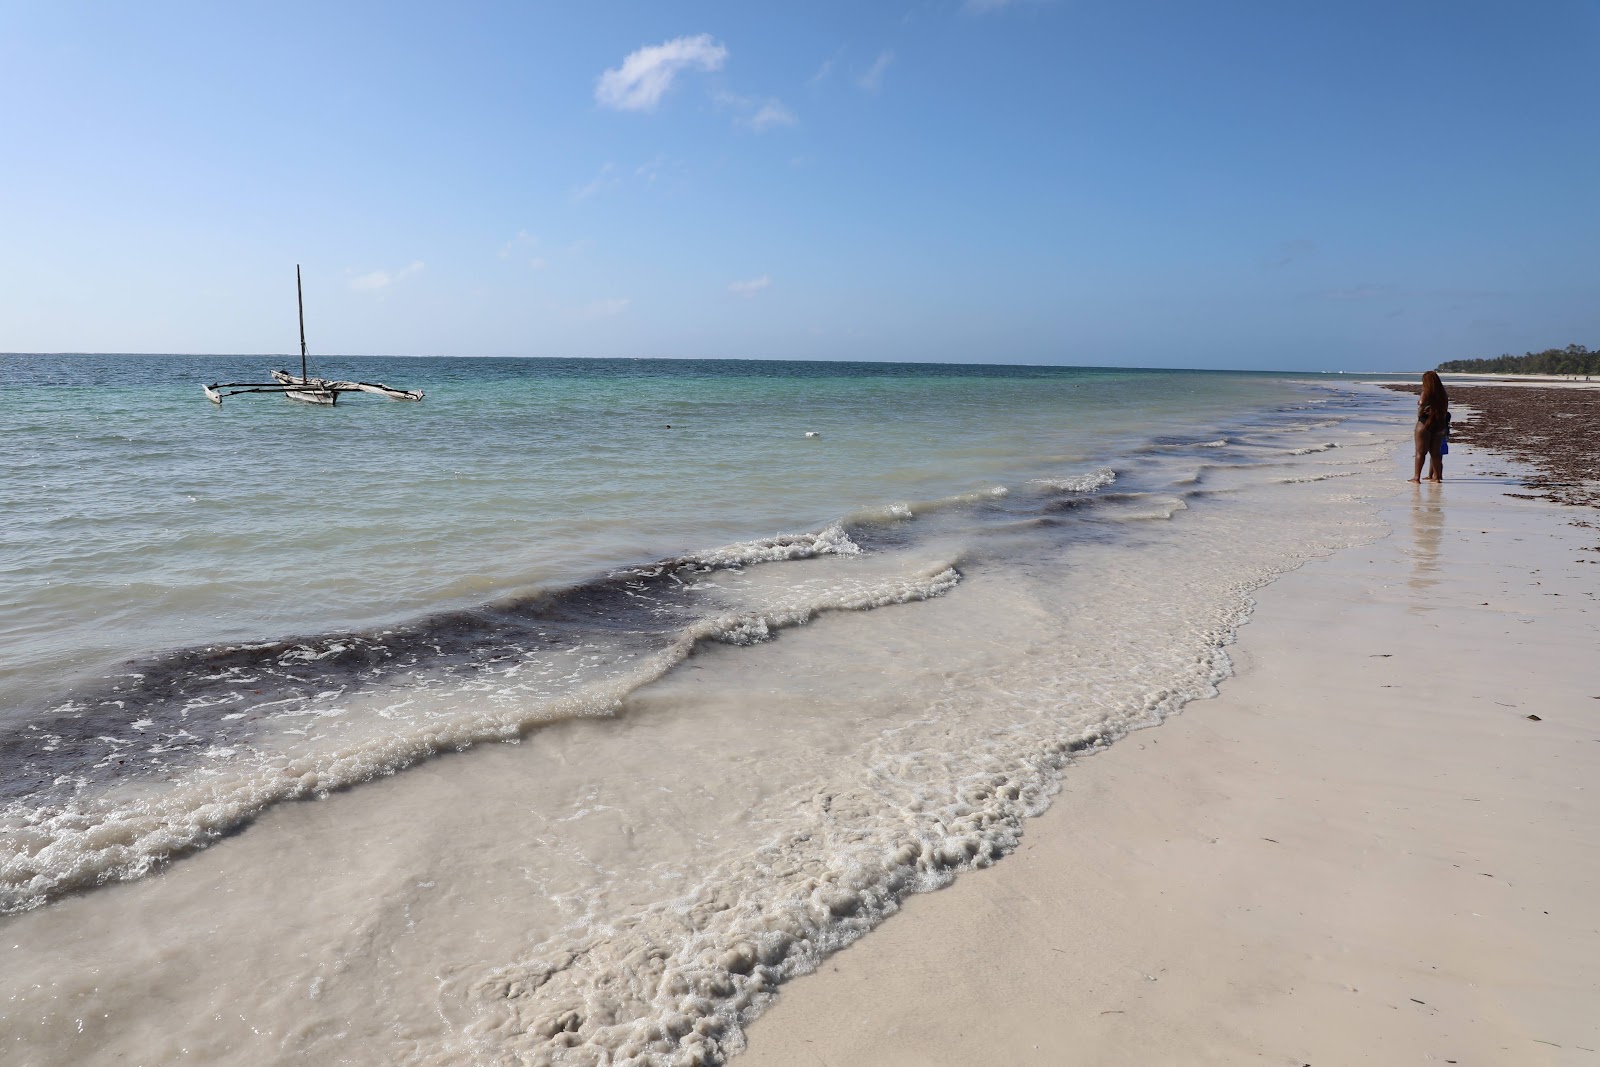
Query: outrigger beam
(314, 391)
(235, 388)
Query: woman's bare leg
(1421, 440)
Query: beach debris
(1535, 718)
(812, 433)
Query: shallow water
(727, 761)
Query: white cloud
(873, 78)
(538, 263)
(605, 309)
(751, 287)
(647, 74)
(770, 114)
(382, 279)
(822, 73)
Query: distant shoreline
(1520, 379)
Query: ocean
(562, 716)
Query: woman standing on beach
(1433, 419)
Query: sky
(1253, 185)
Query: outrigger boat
(305, 388)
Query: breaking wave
(53, 844)
(1082, 483)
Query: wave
(1318, 477)
(89, 840)
(1082, 483)
(1153, 507)
(1312, 449)
(977, 496)
(831, 541)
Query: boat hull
(333, 387)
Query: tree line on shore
(1574, 359)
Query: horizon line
(726, 359)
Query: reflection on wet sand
(1427, 527)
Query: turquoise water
(140, 517)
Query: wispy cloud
(751, 287)
(645, 75)
(382, 279)
(1292, 252)
(650, 170)
(756, 113)
(605, 309)
(873, 78)
(827, 68)
(522, 244)
(605, 178)
(770, 114)
(522, 240)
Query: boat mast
(300, 299)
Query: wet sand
(1379, 844)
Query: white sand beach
(1365, 850)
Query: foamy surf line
(644, 606)
(212, 737)
(677, 983)
(74, 823)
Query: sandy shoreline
(1364, 850)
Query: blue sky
(1257, 185)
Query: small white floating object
(812, 433)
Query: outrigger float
(305, 388)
